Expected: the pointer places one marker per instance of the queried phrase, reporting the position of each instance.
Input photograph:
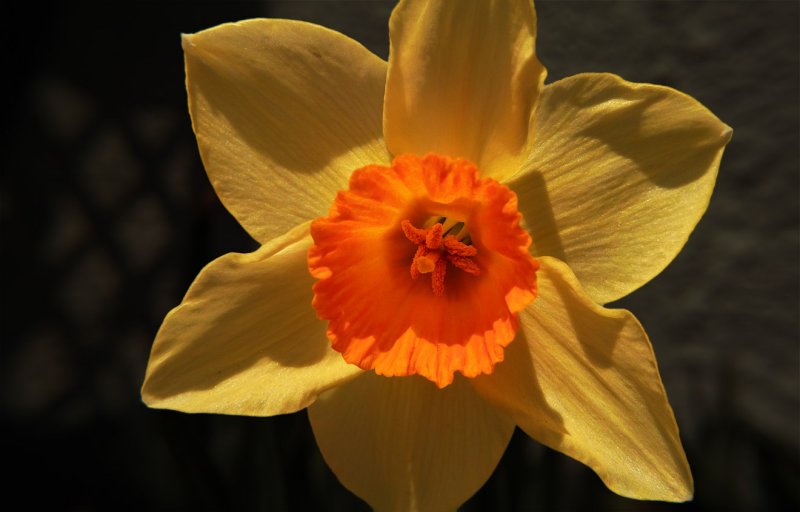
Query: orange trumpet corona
(439, 216)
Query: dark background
(107, 216)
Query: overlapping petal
(283, 111)
(583, 380)
(463, 81)
(245, 340)
(620, 175)
(400, 443)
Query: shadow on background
(107, 217)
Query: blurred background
(107, 216)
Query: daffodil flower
(468, 224)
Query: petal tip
(685, 496)
(149, 398)
(186, 42)
(727, 133)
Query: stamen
(428, 261)
(414, 270)
(437, 279)
(453, 246)
(432, 246)
(465, 264)
(434, 238)
(416, 235)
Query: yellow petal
(583, 380)
(245, 340)
(620, 175)
(463, 81)
(283, 112)
(400, 443)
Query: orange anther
(465, 264)
(414, 270)
(453, 246)
(434, 238)
(416, 235)
(437, 278)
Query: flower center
(438, 245)
(464, 229)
